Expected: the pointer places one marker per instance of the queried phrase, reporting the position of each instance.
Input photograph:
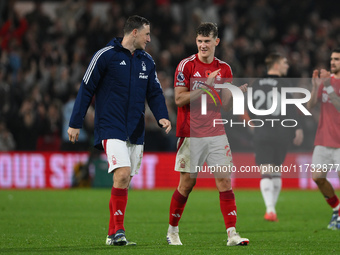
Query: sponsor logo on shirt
(180, 77)
(197, 74)
(143, 76)
(180, 84)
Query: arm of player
(73, 134)
(316, 82)
(87, 89)
(156, 101)
(298, 139)
(165, 123)
(227, 99)
(183, 95)
(335, 99)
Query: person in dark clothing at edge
(272, 140)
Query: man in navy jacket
(121, 76)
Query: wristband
(329, 90)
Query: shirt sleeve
(87, 89)
(320, 92)
(155, 97)
(182, 75)
(226, 73)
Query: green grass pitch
(75, 222)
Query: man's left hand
(165, 124)
(244, 87)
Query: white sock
(336, 208)
(267, 190)
(173, 229)
(277, 183)
(230, 231)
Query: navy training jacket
(120, 82)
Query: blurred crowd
(43, 58)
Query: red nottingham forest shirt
(190, 121)
(328, 132)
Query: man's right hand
(212, 76)
(317, 80)
(73, 134)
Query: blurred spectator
(46, 56)
(7, 142)
(4, 7)
(69, 12)
(38, 18)
(50, 128)
(5, 96)
(13, 29)
(25, 126)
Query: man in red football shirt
(326, 155)
(199, 141)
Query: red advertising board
(40, 170)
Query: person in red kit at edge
(326, 154)
(122, 76)
(199, 141)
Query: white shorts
(123, 154)
(325, 157)
(192, 152)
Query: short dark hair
(272, 58)
(206, 29)
(135, 22)
(336, 50)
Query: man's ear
(134, 32)
(217, 41)
(275, 66)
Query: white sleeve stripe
(93, 63)
(94, 59)
(184, 61)
(181, 67)
(157, 80)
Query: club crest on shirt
(143, 66)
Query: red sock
(119, 200)
(333, 201)
(177, 205)
(228, 208)
(111, 222)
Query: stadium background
(47, 45)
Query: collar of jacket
(117, 42)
